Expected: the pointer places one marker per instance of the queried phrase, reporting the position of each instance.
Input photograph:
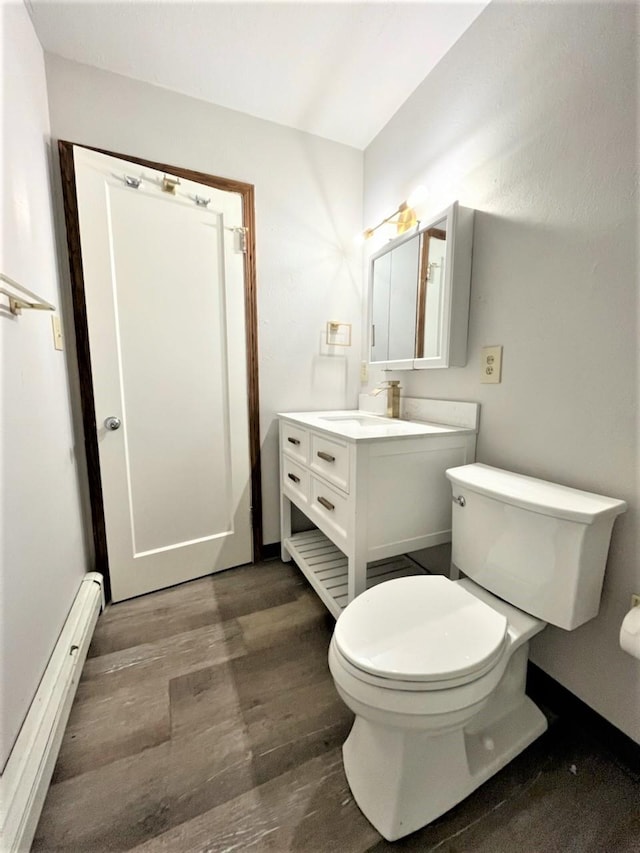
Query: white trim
(455, 413)
(25, 781)
(451, 412)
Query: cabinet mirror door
(419, 295)
(394, 305)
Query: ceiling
(338, 69)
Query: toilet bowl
(435, 670)
(430, 728)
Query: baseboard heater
(25, 781)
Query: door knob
(113, 423)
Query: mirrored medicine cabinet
(419, 295)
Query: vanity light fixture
(405, 212)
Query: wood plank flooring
(206, 720)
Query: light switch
(491, 365)
(58, 341)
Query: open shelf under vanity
(325, 567)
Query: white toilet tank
(538, 545)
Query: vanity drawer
(295, 441)
(330, 507)
(295, 479)
(330, 459)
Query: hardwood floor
(206, 720)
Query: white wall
(43, 556)
(531, 119)
(308, 208)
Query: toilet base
(403, 779)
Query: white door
(164, 290)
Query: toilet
(434, 669)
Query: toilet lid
(420, 629)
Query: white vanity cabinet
(373, 487)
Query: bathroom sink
(357, 424)
(357, 420)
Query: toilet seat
(404, 686)
(423, 632)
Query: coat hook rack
(17, 302)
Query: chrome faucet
(392, 387)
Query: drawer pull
(294, 478)
(326, 504)
(327, 458)
(293, 440)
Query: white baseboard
(25, 781)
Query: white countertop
(357, 425)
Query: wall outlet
(491, 364)
(364, 372)
(58, 341)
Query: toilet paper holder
(630, 629)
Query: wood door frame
(246, 191)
